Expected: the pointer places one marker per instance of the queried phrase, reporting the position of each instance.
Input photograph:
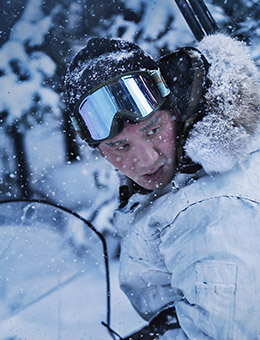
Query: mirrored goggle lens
(132, 96)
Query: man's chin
(152, 185)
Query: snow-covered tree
(26, 95)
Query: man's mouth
(152, 176)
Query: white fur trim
(224, 136)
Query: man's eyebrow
(151, 123)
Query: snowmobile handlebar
(198, 17)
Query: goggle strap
(160, 83)
(77, 127)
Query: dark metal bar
(202, 12)
(198, 17)
(190, 18)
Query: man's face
(145, 151)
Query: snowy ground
(73, 312)
(51, 289)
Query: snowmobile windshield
(132, 96)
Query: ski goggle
(132, 96)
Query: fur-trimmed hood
(232, 106)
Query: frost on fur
(232, 104)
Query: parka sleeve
(212, 249)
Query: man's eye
(123, 147)
(153, 131)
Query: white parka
(196, 243)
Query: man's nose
(146, 155)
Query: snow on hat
(101, 60)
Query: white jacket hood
(232, 101)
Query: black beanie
(101, 60)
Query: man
(184, 133)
